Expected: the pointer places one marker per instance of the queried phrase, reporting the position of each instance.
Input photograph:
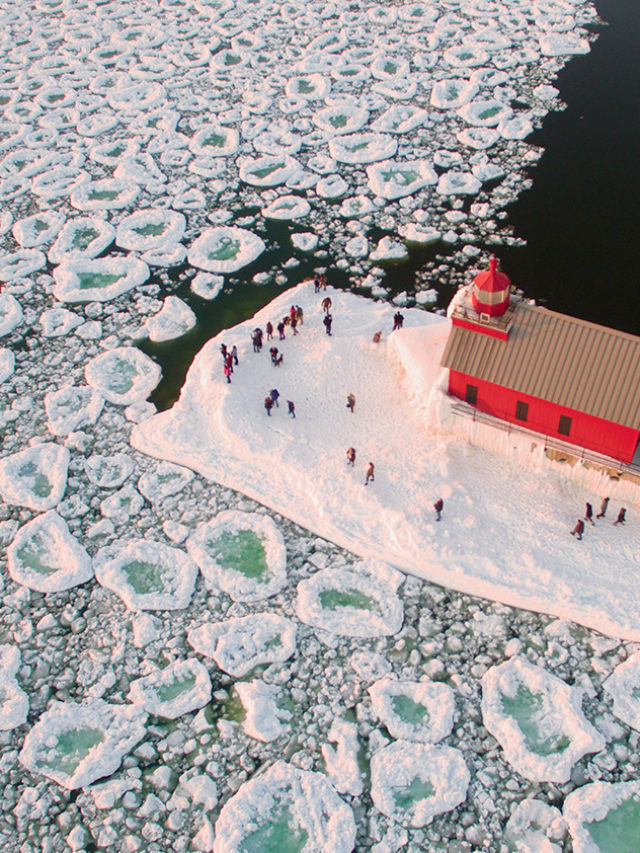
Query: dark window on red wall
(564, 425)
(471, 394)
(522, 410)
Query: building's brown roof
(557, 358)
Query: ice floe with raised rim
(414, 710)
(10, 313)
(241, 553)
(123, 375)
(44, 556)
(265, 719)
(416, 233)
(355, 602)
(534, 826)
(71, 408)
(366, 147)
(206, 285)
(485, 113)
(623, 685)
(478, 137)
(393, 179)
(604, 816)
(21, 263)
(537, 719)
(342, 761)
(104, 194)
(285, 802)
(123, 504)
(147, 575)
(152, 228)
(167, 479)
(400, 118)
(108, 472)
(174, 319)
(268, 171)
(412, 782)
(7, 364)
(356, 205)
(458, 183)
(240, 644)
(35, 477)
(177, 689)
(287, 207)
(14, 702)
(38, 229)
(97, 279)
(76, 743)
(57, 322)
(82, 237)
(308, 86)
(342, 117)
(225, 249)
(332, 186)
(305, 241)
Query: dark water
(580, 218)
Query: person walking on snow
(294, 323)
(223, 351)
(398, 320)
(229, 362)
(280, 328)
(326, 304)
(603, 508)
(621, 517)
(299, 315)
(292, 408)
(316, 283)
(269, 330)
(578, 530)
(328, 320)
(588, 516)
(351, 456)
(369, 474)
(227, 372)
(351, 402)
(274, 394)
(268, 404)
(438, 506)
(234, 354)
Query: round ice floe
(341, 118)
(478, 137)
(265, 720)
(297, 805)
(225, 249)
(389, 249)
(604, 817)
(305, 241)
(35, 477)
(358, 602)
(302, 180)
(240, 644)
(108, 472)
(214, 140)
(488, 172)
(422, 234)
(357, 205)
(309, 86)
(537, 719)
(147, 575)
(225, 61)
(206, 285)
(399, 119)
(518, 127)
(37, 229)
(150, 229)
(58, 182)
(173, 320)
(241, 553)
(453, 93)
(386, 67)
(21, 263)
(623, 685)
(171, 692)
(268, 171)
(395, 179)
(111, 153)
(357, 247)
(287, 207)
(7, 364)
(465, 56)
(75, 744)
(136, 98)
(169, 256)
(82, 237)
(486, 113)
(534, 825)
(414, 710)
(123, 375)
(362, 147)
(277, 140)
(57, 322)
(412, 783)
(45, 556)
(104, 194)
(123, 504)
(563, 44)
(140, 169)
(10, 313)
(71, 408)
(167, 479)
(458, 183)
(14, 702)
(333, 186)
(97, 279)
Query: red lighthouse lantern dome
(491, 291)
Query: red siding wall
(605, 437)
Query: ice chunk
(14, 702)
(309, 87)
(241, 553)
(57, 322)
(268, 171)
(453, 93)
(225, 249)
(45, 556)
(123, 375)
(478, 137)
(537, 719)
(342, 761)
(370, 666)
(333, 186)
(287, 207)
(285, 808)
(173, 691)
(357, 247)
(306, 241)
(207, 286)
(150, 229)
(109, 472)
(7, 364)
(104, 194)
(623, 685)
(412, 782)
(414, 710)
(604, 817)
(465, 56)
(35, 477)
(341, 118)
(38, 229)
(400, 118)
(395, 179)
(147, 575)
(486, 113)
(71, 408)
(126, 502)
(82, 237)
(362, 147)
(240, 644)
(173, 320)
(21, 263)
(359, 602)
(389, 249)
(169, 256)
(265, 720)
(10, 313)
(167, 479)
(518, 127)
(97, 279)
(563, 44)
(458, 183)
(534, 825)
(75, 744)
(414, 233)
(357, 205)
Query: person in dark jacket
(351, 402)
(578, 530)
(292, 408)
(328, 320)
(438, 506)
(351, 456)
(274, 394)
(269, 330)
(603, 508)
(223, 351)
(268, 404)
(588, 515)
(621, 517)
(280, 328)
(370, 475)
(294, 324)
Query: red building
(547, 372)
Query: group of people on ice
(578, 530)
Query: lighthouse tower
(491, 290)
